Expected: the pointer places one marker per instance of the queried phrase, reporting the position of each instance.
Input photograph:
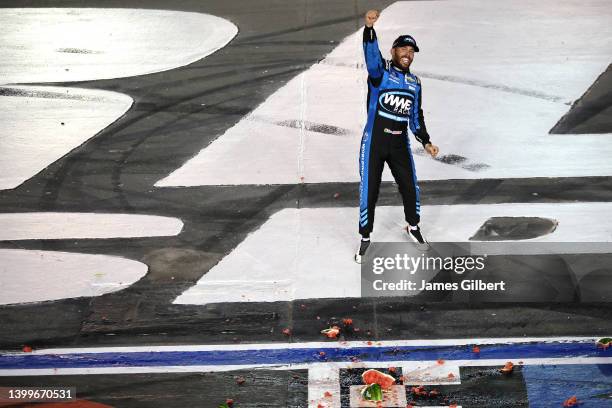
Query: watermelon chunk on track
(376, 377)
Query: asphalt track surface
(115, 172)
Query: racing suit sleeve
(373, 57)
(417, 120)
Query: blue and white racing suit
(394, 102)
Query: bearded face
(402, 56)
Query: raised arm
(373, 57)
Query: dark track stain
(315, 127)
(454, 160)
(77, 51)
(34, 93)
(514, 228)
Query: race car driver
(394, 103)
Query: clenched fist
(370, 17)
(432, 149)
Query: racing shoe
(363, 247)
(414, 233)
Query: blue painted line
(301, 355)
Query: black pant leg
(371, 185)
(401, 164)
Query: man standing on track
(394, 103)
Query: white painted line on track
(40, 124)
(488, 97)
(315, 345)
(77, 44)
(35, 276)
(308, 253)
(64, 225)
(431, 373)
(323, 378)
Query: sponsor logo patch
(393, 132)
(395, 102)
